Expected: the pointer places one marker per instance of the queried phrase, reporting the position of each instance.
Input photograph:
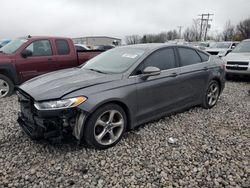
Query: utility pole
(202, 19)
(180, 27)
(207, 25)
(205, 17)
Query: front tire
(212, 95)
(105, 127)
(6, 86)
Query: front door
(40, 61)
(161, 93)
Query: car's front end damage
(51, 124)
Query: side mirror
(150, 71)
(26, 53)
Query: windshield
(4, 43)
(117, 60)
(222, 45)
(243, 47)
(12, 47)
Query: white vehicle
(238, 61)
(81, 47)
(221, 49)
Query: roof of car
(149, 46)
(152, 46)
(42, 37)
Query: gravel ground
(212, 149)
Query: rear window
(203, 56)
(62, 47)
(188, 56)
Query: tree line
(193, 33)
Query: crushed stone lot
(209, 148)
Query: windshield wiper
(95, 70)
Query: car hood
(238, 57)
(57, 84)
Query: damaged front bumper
(50, 124)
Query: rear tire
(105, 127)
(212, 95)
(6, 86)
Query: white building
(97, 41)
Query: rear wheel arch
(219, 82)
(212, 94)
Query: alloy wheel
(212, 94)
(4, 88)
(109, 127)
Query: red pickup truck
(25, 58)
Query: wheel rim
(212, 94)
(109, 127)
(4, 88)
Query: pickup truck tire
(105, 127)
(6, 86)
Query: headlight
(60, 104)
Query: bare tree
(228, 32)
(192, 33)
(187, 35)
(172, 35)
(133, 39)
(243, 28)
(154, 38)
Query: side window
(188, 56)
(204, 56)
(62, 47)
(163, 59)
(40, 48)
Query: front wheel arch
(119, 103)
(89, 127)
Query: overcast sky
(117, 18)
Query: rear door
(66, 55)
(40, 62)
(194, 73)
(161, 93)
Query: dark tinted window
(162, 59)
(188, 56)
(204, 56)
(62, 47)
(40, 48)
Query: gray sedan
(117, 91)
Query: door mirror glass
(26, 53)
(150, 71)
